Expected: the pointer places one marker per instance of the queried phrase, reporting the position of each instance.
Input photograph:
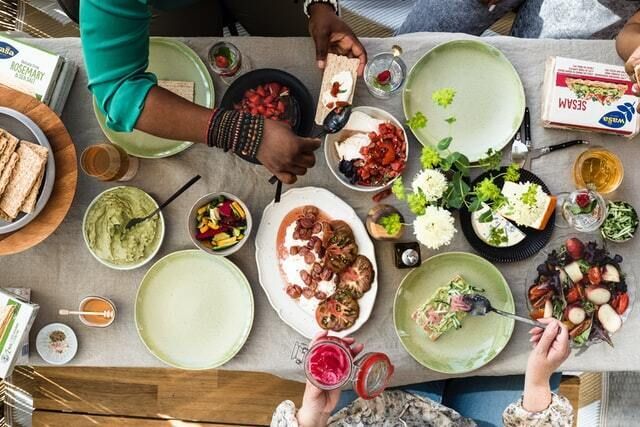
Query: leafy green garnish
(418, 121)
(444, 143)
(443, 97)
(492, 160)
(529, 197)
(398, 189)
(497, 236)
(391, 223)
(451, 120)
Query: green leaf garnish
(529, 197)
(417, 203)
(451, 120)
(391, 223)
(398, 189)
(429, 158)
(487, 190)
(418, 121)
(443, 97)
(513, 173)
(444, 143)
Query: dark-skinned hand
(332, 35)
(284, 153)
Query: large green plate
(489, 103)
(194, 310)
(479, 340)
(168, 60)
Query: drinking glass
(108, 162)
(598, 169)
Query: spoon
(135, 221)
(107, 314)
(333, 123)
(479, 305)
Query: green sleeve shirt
(115, 43)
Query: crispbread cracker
(334, 65)
(30, 202)
(183, 89)
(24, 176)
(4, 216)
(3, 142)
(12, 143)
(5, 176)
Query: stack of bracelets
(236, 131)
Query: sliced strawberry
(221, 61)
(384, 77)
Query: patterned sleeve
(332, 3)
(558, 414)
(285, 415)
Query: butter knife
(539, 152)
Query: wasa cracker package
(589, 96)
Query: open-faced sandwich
(338, 84)
(321, 267)
(446, 309)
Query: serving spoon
(136, 221)
(335, 121)
(479, 305)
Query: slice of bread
(334, 65)
(7, 172)
(30, 202)
(22, 180)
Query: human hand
(284, 153)
(630, 68)
(317, 405)
(550, 350)
(332, 34)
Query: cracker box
(16, 319)
(589, 96)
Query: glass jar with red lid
(330, 364)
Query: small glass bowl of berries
(385, 73)
(225, 59)
(583, 210)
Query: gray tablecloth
(61, 271)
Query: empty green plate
(194, 310)
(168, 60)
(479, 340)
(489, 103)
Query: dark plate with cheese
(503, 239)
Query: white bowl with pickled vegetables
(621, 222)
(219, 223)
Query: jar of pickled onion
(329, 364)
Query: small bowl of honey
(94, 304)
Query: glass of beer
(598, 169)
(108, 162)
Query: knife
(539, 152)
(527, 129)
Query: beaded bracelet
(236, 131)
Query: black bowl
(531, 245)
(299, 92)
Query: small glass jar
(391, 69)
(97, 304)
(225, 59)
(583, 210)
(329, 364)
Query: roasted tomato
(574, 294)
(341, 249)
(357, 278)
(595, 276)
(576, 331)
(338, 312)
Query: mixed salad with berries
(270, 100)
(583, 286)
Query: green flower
(391, 223)
(430, 158)
(417, 203)
(398, 189)
(487, 190)
(443, 97)
(513, 173)
(492, 160)
(418, 121)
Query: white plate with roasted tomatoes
(316, 262)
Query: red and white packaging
(589, 96)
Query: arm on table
(539, 406)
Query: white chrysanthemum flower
(435, 228)
(432, 183)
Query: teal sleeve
(115, 43)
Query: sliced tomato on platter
(357, 278)
(338, 312)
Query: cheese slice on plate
(360, 122)
(349, 149)
(527, 204)
(498, 232)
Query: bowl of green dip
(106, 237)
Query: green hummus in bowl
(106, 237)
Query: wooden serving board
(64, 188)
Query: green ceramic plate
(194, 310)
(489, 103)
(168, 60)
(479, 340)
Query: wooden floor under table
(72, 397)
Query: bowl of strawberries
(274, 94)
